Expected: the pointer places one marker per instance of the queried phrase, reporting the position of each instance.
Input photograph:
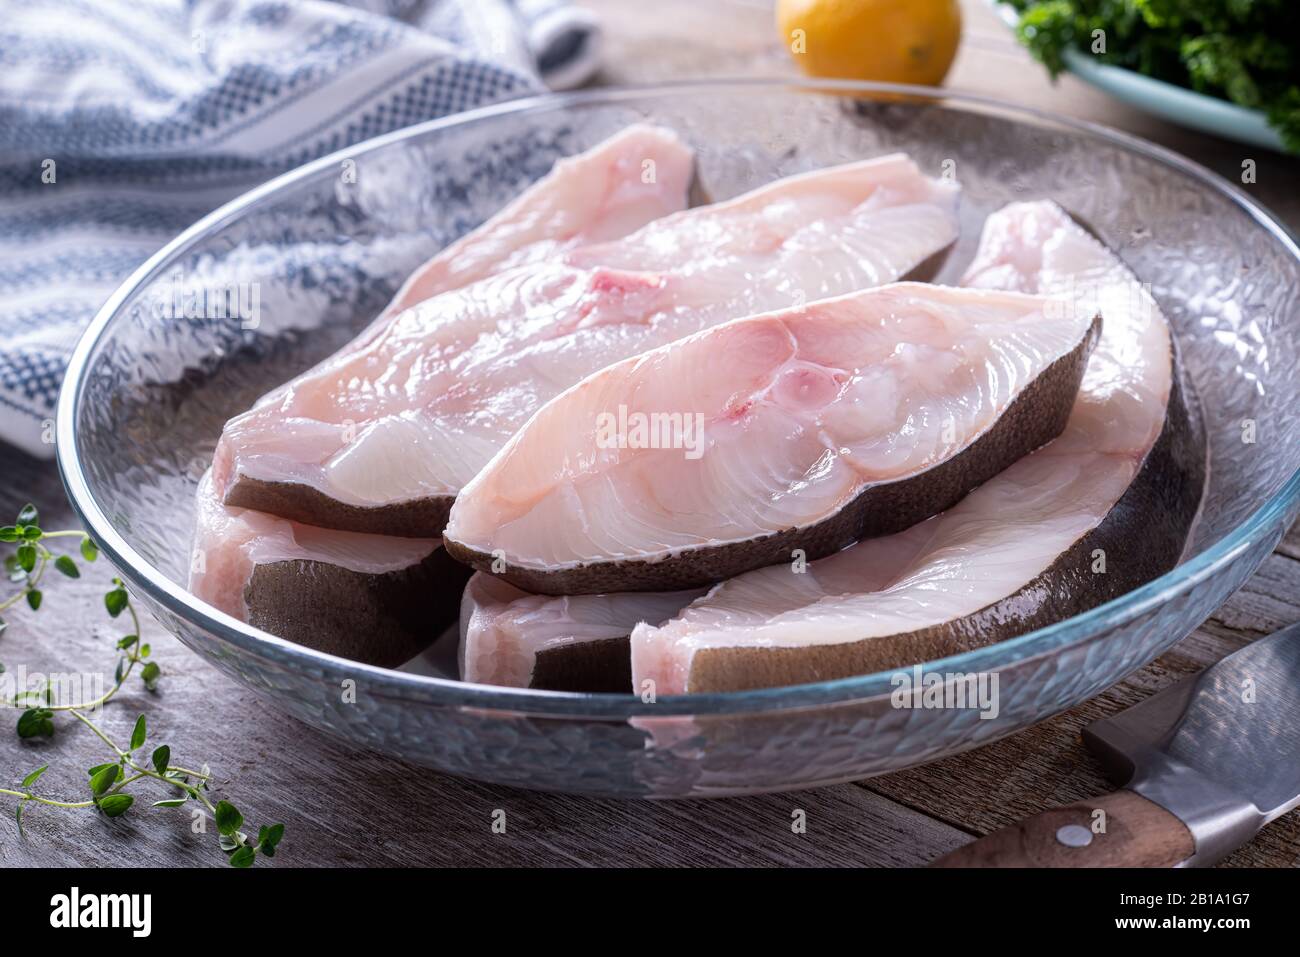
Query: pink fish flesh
(791, 432)
(385, 437)
(1107, 505)
(504, 631)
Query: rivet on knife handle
(1131, 832)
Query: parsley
(1244, 51)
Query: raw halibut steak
(384, 438)
(578, 643)
(788, 434)
(613, 189)
(366, 597)
(602, 194)
(1100, 510)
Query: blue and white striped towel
(124, 121)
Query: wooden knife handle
(1134, 832)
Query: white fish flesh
(789, 433)
(384, 438)
(1106, 506)
(575, 643)
(633, 178)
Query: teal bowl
(1209, 114)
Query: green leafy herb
(104, 779)
(228, 819)
(150, 673)
(34, 776)
(115, 804)
(25, 568)
(116, 601)
(36, 722)
(162, 755)
(138, 733)
(1244, 51)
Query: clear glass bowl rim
(442, 692)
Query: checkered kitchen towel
(124, 121)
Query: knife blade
(1220, 750)
(1203, 765)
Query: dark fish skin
(1143, 536)
(418, 518)
(384, 620)
(1035, 417)
(598, 666)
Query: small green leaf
(30, 533)
(146, 650)
(127, 642)
(162, 756)
(104, 779)
(3, 625)
(138, 733)
(89, 550)
(34, 598)
(228, 818)
(8, 533)
(119, 670)
(150, 675)
(36, 722)
(99, 767)
(32, 778)
(65, 564)
(13, 570)
(26, 556)
(115, 805)
(115, 601)
(243, 857)
(170, 802)
(29, 515)
(268, 838)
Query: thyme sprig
(107, 783)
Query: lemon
(892, 41)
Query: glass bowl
(151, 383)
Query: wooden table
(343, 806)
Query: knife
(1203, 766)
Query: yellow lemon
(892, 41)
